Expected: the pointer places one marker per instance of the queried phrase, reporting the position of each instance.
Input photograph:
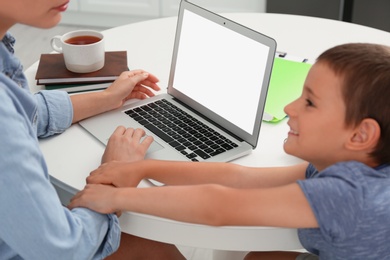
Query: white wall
(110, 13)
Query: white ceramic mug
(83, 50)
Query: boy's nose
(289, 108)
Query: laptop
(216, 93)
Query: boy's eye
(309, 103)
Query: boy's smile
(317, 119)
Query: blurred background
(104, 14)
(372, 13)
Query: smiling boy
(339, 199)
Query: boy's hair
(365, 70)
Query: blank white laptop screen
(219, 77)
(203, 74)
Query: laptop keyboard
(182, 131)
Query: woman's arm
(130, 84)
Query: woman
(34, 224)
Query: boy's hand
(118, 174)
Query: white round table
(72, 155)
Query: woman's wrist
(109, 100)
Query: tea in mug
(83, 40)
(83, 50)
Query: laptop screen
(221, 69)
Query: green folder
(285, 86)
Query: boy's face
(317, 119)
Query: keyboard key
(174, 143)
(191, 155)
(226, 146)
(138, 118)
(180, 148)
(218, 151)
(143, 121)
(202, 154)
(203, 147)
(159, 133)
(209, 150)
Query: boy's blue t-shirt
(351, 202)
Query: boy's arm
(189, 173)
(196, 191)
(210, 204)
(226, 174)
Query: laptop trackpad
(154, 147)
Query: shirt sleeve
(55, 112)
(336, 196)
(33, 223)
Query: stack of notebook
(53, 74)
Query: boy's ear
(365, 136)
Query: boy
(338, 199)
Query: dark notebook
(52, 70)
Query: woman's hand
(125, 144)
(132, 84)
(96, 197)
